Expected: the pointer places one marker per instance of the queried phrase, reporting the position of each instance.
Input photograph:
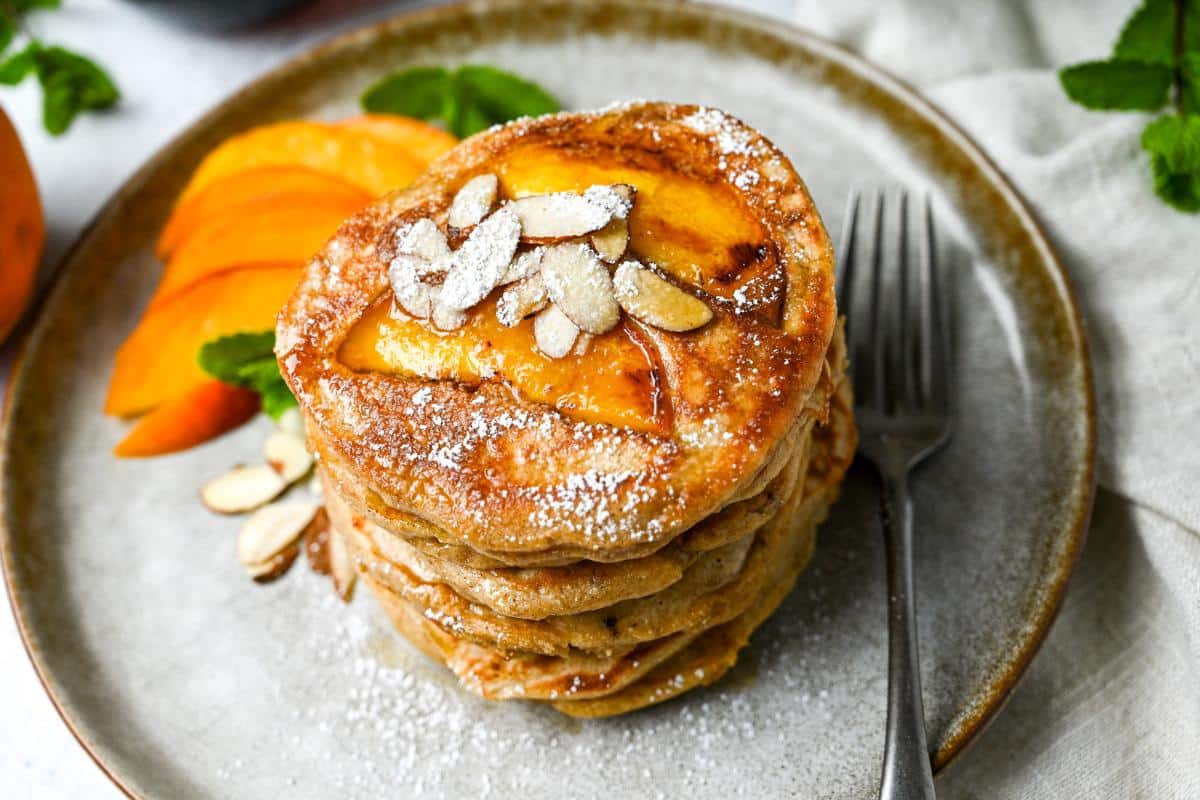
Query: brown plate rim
(793, 37)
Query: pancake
(720, 211)
(591, 685)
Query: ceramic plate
(184, 679)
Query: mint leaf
(1118, 85)
(16, 67)
(223, 358)
(417, 92)
(1149, 35)
(1190, 70)
(21, 6)
(1191, 26)
(71, 83)
(248, 360)
(1173, 143)
(503, 96)
(7, 32)
(467, 100)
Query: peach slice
(252, 190)
(22, 228)
(617, 380)
(201, 413)
(158, 360)
(414, 136)
(287, 230)
(365, 159)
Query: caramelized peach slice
(703, 233)
(199, 414)
(158, 360)
(22, 228)
(374, 164)
(250, 192)
(414, 136)
(289, 230)
(616, 381)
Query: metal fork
(898, 341)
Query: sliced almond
(426, 242)
(611, 240)
(277, 567)
(656, 302)
(412, 294)
(523, 266)
(316, 543)
(582, 344)
(242, 489)
(341, 567)
(292, 421)
(447, 319)
(272, 530)
(554, 332)
(579, 284)
(286, 454)
(561, 215)
(479, 264)
(473, 201)
(520, 300)
(615, 198)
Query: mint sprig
(248, 360)
(71, 83)
(1155, 65)
(467, 100)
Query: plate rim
(783, 30)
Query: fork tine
(933, 330)
(878, 329)
(846, 277)
(905, 377)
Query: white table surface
(168, 77)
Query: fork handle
(906, 767)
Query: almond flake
(422, 258)
(616, 198)
(277, 567)
(242, 489)
(554, 332)
(611, 240)
(424, 240)
(582, 344)
(561, 215)
(579, 284)
(271, 531)
(473, 201)
(292, 421)
(477, 266)
(447, 319)
(520, 300)
(341, 567)
(657, 302)
(286, 454)
(523, 266)
(316, 543)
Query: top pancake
(497, 472)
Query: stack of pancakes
(545, 556)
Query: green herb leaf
(1190, 69)
(1118, 85)
(503, 96)
(16, 67)
(71, 83)
(418, 92)
(1173, 143)
(1191, 26)
(468, 100)
(1149, 35)
(7, 32)
(21, 6)
(248, 360)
